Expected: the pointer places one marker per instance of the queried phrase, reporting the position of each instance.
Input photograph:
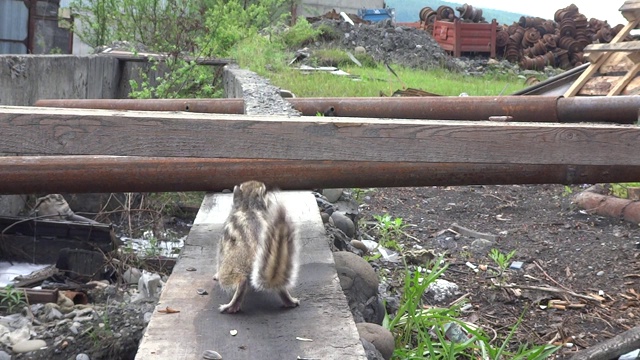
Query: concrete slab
(264, 329)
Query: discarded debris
(233, 332)
(471, 233)
(303, 339)
(168, 310)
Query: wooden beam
(626, 79)
(51, 131)
(623, 46)
(264, 329)
(593, 69)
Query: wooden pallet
(610, 61)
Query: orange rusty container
(459, 37)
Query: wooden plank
(265, 331)
(623, 46)
(601, 85)
(625, 80)
(617, 63)
(630, 10)
(593, 69)
(51, 131)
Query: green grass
(428, 333)
(270, 59)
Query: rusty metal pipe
(219, 106)
(79, 174)
(615, 109)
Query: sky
(602, 10)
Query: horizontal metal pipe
(78, 174)
(519, 108)
(615, 109)
(219, 106)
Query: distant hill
(409, 10)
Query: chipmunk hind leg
(288, 300)
(238, 296)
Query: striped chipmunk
(259, 247)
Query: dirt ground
(560, 245)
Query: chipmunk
(259, 246)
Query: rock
(65, 304)
(28, 345)
(82, 357)
(343, 223)
(419, 257)
(211, 355)
(360, 284)
(332, 195)
(4, 356)
(52, 314)
(481, 247)
(359, 50)
(132, 275)
(442, 290)
(600, 273)
(147, 317)
(370, 350)
(149, 285)
(380, 337)
(359, 245)
(325, 217)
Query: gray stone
(332, 195)
(380, 337)
(360, 284)
(359, 245)
(132, 275)
(4, 356)
(371, 351)
(82, 357)
(343, 223)
(359, 49)
(325, 217)
(481, 247)
(442, 290)
(52, 314)
(28, 345)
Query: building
(319, 7)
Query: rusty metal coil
(530, 21)
(502, 37)
(581, 21)
(583, 39)
(535, 63)
(445, 13)
(432, 18)
(604, 35)
(539, 48)
(430, 28)
(562, 59)
(596, 24)
(570, 44)
(425, 12)
(550, 40)
(513, 53)
(468, 12)
(511, 29)
(517, 36)
(568, 12)
(549, 27)
(567, 28)
(576, 57)
(531, 36)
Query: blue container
(376, 15)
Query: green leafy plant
(438, 333)
(389, 229)
(12, 299)
(500, 258)
(620, 189)
(359, 193)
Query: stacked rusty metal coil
(535, 42)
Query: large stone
(360, 284)
(371, 351)
(380, 337)
(332, 195)
(441, 291)
(343, 223)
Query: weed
(359, 194)
(299, 35)
(12, 299)
(567, 191)
(620, 189)
(500, 258)
(389, 230)
(437, 333)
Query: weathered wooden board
(623, 46)
(265, 331)
(602, 85)
(51, 131)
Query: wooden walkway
(264, 330)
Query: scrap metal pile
(534, 42)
